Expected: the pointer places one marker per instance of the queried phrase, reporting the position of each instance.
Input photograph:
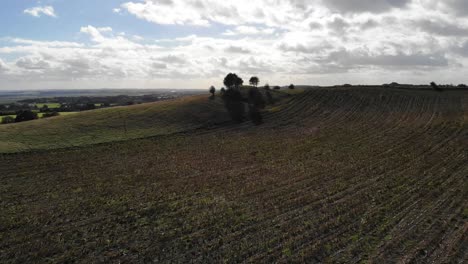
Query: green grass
(112, 124)
(1, 117)
(49, 105)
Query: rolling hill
(334, 175)
(112, 124)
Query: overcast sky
(195, 43)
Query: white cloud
(301, 41)
(206, 12)
(3, 66)
(249, 30)
(41, 10)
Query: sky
(65, 44)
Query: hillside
(112, 124)
(334, 175)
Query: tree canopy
(254, 81)
(233, 81)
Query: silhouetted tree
(232, 81)
(436, 87)
(277, 87)
(291, 86)
(256, 98)
(256, 102)
(254, 81)
(223, 91)
(267, 87)
(25, 115)
(212, 92)
(462, 85)
(233, 101)
(8, 120)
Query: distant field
(49, 105)
(356, 175)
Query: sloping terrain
(112, 124)
(342, 175)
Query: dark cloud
(462, 50)
(338, 25)
(173, 59)
(359, 58)
(236, 49)
(458, 6)
(442, 28)
(303, 48)
(158, 65)
(360, 6)
(32, 63)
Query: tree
(277, 87)
(232, 81)
(254, 81)
(25, 115)
(223, 91)
(44, 109)
(233, 100)
(291, 86)
(8, 120)
(436, 87)
(256, 98)
(256, 102)
(212, 91)
(234, 104)
(267, 87)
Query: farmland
(333, 175)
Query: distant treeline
(105, 100)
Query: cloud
(32, 63)
(350, 59)
(206, 12)
(359, 6)
(462, 49)
(442, 28)
(167, 12)
(249, 30)
(237, 49)
(3, 66)
(294, 40)
(41, 10)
